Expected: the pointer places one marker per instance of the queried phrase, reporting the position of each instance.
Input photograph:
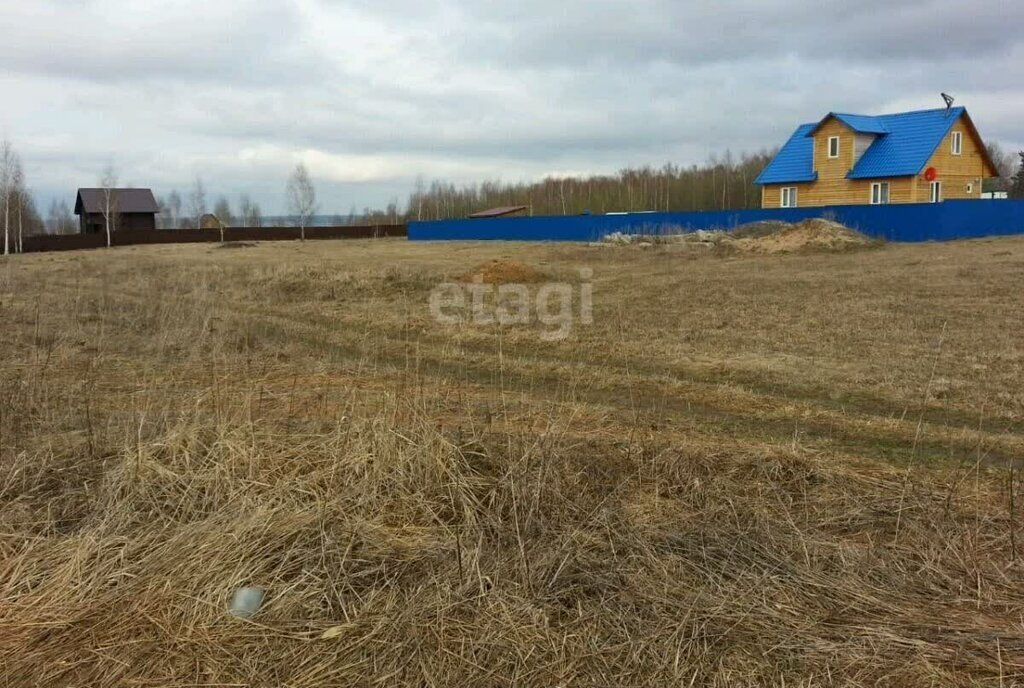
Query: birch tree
(301, 197)
(108, 187)
(249, 212)
(20, 196)
(197, 202)
(222, 209)
(59, 218)
(174, 208)
(222, 213)
(8, 165)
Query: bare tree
(222, 209)
(249, 212)
(244, 210)
(1017, 187)
(174, 208)
(9, 164)
(28, 222)
(108, 185)
(59, 219)
(21, 197)
(197, 202)
(1004, 160)
(417, 197)
(301, 197)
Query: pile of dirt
(767, 237)
(810, 235)
(753, 230)
(502, 272)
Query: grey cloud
(460, 88)
(607, 32)
(124, 43)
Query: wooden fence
(74, 242)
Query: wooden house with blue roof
(926, 156)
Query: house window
(833, 146)
(788, 197)
(970, 188)
(957, 143)
(936, 192)
(879, 193)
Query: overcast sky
(372, 93)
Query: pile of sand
(814, 235)
(810, 235)
(502, 272)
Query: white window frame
(830, 140)
(876, 193)
(970, 188)
(956, 144)
(788, 197)
(935, 192)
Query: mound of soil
(753, 230)
(810, 235)
(502, 272)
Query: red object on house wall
(931, 174)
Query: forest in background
(721, 183)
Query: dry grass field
(792, 470)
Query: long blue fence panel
(901, 222)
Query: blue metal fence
(904, 222)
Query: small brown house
(128, 208)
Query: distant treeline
(721, 183)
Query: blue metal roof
(862, 124)
(904, 144)
(795, 162)
(910, 143)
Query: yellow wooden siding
(956, 171)
(771, 195)
(833, 188)
(849, 192)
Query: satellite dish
(931, 174)
(949, 101)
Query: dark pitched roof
(903, 145)
(499, 212)
(128, 201)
